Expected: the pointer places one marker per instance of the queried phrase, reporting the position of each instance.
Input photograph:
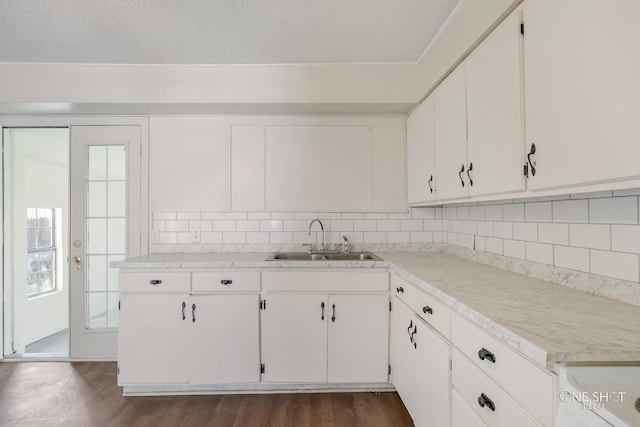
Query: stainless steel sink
(304, 256)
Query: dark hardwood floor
(85, 394)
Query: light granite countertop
(546, 322)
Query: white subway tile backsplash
(211, 237)
(295, 225)
(437, 236)
(557, 234)
(234, 237)
(259, 215)
(365, 225)
(164, 215)
(275, 225)
(404, 215)
(212, 215)
(495, 246)
(538, 212)
(514, 249)
(235, 215)
(456, 226)
(614, 210)
(485, 228)
(592, 195)
(593, 236)
(432, 225)
(389, 225)
(480, 243)
(421, 237)
(438, 213)
(341, 225)
(248, 225)
(352, 215)
(281, 237)
(503, 230)
(571, 211)
(369, 215)
(253, 237)
(627, 192)
(375, 237)
(476, 213)
(299, 237)
(469, 227)
(539, 252)
(625, 238)
(423, 213)
(513, 212)
(449, 212)
(615, 264)
(398, 237)
(223, 225)
(168, 238)
(176, 225)
(451, 238)
(184, 238)
(466, 240)
(353, 236)
(200, 225)
(527, 231)
(305, 215)
(411, 225)
(463, 212)
(187, 215)
(157, 225)
(329, 215)
(282, 215)
(493, 212)
(573, 258)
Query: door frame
(68, 121)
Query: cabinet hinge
(389, 369)
(522, 29)
(262, 368)
(263, 304)
(526, 170)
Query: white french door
(105, 226)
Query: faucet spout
(321, 228)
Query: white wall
(38, 183)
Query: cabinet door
(387, 168)
(294, 338)
(582, 90)
(421, 143)
(247, 167)
(317, 168)
(451, 136)
(224, 339)
(358, 338)
(461, 414)
(152, 339)
(401, 353)
(494, 111)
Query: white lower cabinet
(419, 367)
(169, 336)
(317, 338)
(461, 414)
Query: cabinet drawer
(403, 290)
(433, 311)
(461, 413)
(330, 281)
(474, 387)
(160, 281)
(531, 386)
(225, 281)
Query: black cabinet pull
(184, 305)
(155, 282)
(333, 316)
(413, 339)
(531, 164)
(226, 282)
(468, 175)
(400, 290)
(460, 175)
(322, 311)
(483, 400)
(429, 182)
(193, 313)
(483, 353)
(409, 331)
(426, 309)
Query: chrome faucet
(321, 228)
(346, 245)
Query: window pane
(117, 236)
(97, 163)
(97, 199)
(117, 162)
(45, 239)
(45, 218)
(33, 262)
(47, 261)
(117, 199)
(32, 218)
(96, 236)
(112, 304)
(32, 237)
(97, 273)
(97, 310)
(113, 283)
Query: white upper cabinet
(582, 91)
(451, 136)
(187, 164)
(421, 146)
(494, 112)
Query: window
(41, 251)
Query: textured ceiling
(219, 31)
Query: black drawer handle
(184, 305)
(333, 316)
(193, 313)
(322, 310)
(409, 331)
(400, 290)
(460, 175)
(429, 182)
(155, 282)
(226, 282)
(483, 400)
(483, 353)
(469, 175)
(426, 309)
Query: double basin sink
(323, 256)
